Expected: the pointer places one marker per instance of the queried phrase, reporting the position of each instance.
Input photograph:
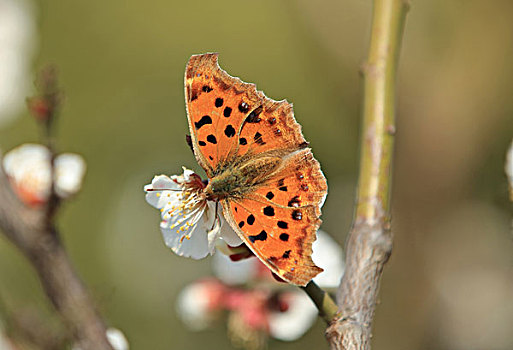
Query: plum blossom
(28, 168)
(190, 223)
(199, 303)
(290, 323)
(259, 311)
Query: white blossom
(189, 222)
(329, 255)
(29, 170)
(197, 303)
(292, 323)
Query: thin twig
(326, 306)
(370, 241)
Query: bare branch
(370, 241)
(37, 238)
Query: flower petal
(234, 273)
(228, 235)
(291, 324)
(195, 246)
(213, 234)
(28, 168)
(198, 304)
(328, 255)
(117, 339)
(155, 192)
(69, 172)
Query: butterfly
(260, 168)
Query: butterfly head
(221, 186)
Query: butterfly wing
(278, 221)
(229, 118)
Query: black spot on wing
(269, 211)
(262, 236)
(203, 121)
(212, 139)
(229, 131)
(283, 224)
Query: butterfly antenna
(162, 189)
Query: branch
(370, 241)
(27, 327)
(38, 239)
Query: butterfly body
(259, 166)
(236, 181)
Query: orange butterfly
(259, 166)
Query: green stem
(369, 244)
(379, 109)
(326, 306)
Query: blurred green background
(449, 282)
